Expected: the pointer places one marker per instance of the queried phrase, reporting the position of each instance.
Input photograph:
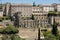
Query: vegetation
(38, 33)
(49, 36)
(11, 37)
(0, 6)
(9, 30)
(53, 34)
(10, 33)
(52, 13)
(15, 37)
(58, 13)
(1, 19)
(34, 4)
(4, 37)
(32, 17)
(54, 28)
(16, 20)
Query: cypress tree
(54, 28)
(32, 17)
(38, 33)
(34, 4)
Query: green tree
(38, 33)
(4, 38)
(9, 30)
(54, 28)
(0, 6)
(50, 37)
(34, 4)
(16, 20)
(52, 13)
(32, 17)
(15, 37)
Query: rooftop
(21, 4)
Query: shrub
(4, 37)
(50, 37)
(9, 30)
(15, 37)
(52, 13)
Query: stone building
(25, 9)
(29, 23)
(40, 16)
(1, 13)
(40, 13)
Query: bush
(15, 37)
(50, 37)
(9, 30)
(32, 17)
(1, 19)
(4, 37)
(54, 28)
(52, 13)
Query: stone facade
(40, 13)
(25, 9)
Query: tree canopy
(52, 13)
(32, 17)
(9, 30)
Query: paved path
(30, 34)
